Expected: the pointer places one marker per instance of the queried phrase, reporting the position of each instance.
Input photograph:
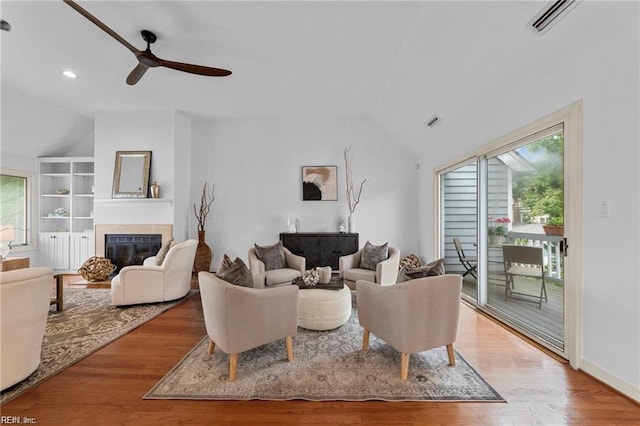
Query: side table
(13, 263)
(59, 299)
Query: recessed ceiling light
(69, 74)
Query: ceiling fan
(146, 59)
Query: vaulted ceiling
(397, 63)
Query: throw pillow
(432, 269)
(162, 253)
(272, 256)
(372, 255)
(235, 272)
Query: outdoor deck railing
(550, 246)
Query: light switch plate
(604, 208)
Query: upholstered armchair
(295, 267)
(150, 283)
(25, 296)
(412, 316)
(241, 318)
(385, 273)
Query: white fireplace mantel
(134, 202)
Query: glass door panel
(525, 197)
(459, 218)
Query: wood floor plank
(106, 388)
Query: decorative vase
(155, 190)
(202, 261)
(352, 223)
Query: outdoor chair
(470, 263)
(524, 261)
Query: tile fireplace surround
(166, 230)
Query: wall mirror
(131, 175)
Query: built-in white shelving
(66, 210)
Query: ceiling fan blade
(136, 74)
(194, 69)
(102, 26)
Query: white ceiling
(395, 62)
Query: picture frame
(319, 183)
(131, 174)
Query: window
(14, 208)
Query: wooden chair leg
(233, 367)
(289, 341)
(365, 340)
(211, 347)
(404, 366)
(451, 354)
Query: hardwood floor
(106, 388)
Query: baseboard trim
(620, 386)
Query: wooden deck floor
(546, 322)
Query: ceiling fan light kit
(146, 59)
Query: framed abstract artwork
(319, 183)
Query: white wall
(182, 167)
(50, 130)
(256, 168)
(153, 131)
(606, 77)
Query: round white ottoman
(323, 309)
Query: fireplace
(130, 249)
(134, 241)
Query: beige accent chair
(241, 318)
(276, 277)
(150, 283)
(412, 316)
(386, 272)
(25, 297)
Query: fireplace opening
(130, 249)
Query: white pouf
(323, 309)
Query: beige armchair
(386, 272)
(150, 283)
(412, 316)
(276, 277)
(241, 318)
(25, 296)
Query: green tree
(542, 192)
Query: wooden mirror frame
(131, 174)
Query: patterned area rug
(328, 365)
(87, 323)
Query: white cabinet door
(82, 248)
(54, 247)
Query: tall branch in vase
(206, 200)
(353, 195)
(202, 261)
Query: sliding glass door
(501, 226)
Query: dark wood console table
(320, 248)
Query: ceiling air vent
(551, 14)
(432, 121)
